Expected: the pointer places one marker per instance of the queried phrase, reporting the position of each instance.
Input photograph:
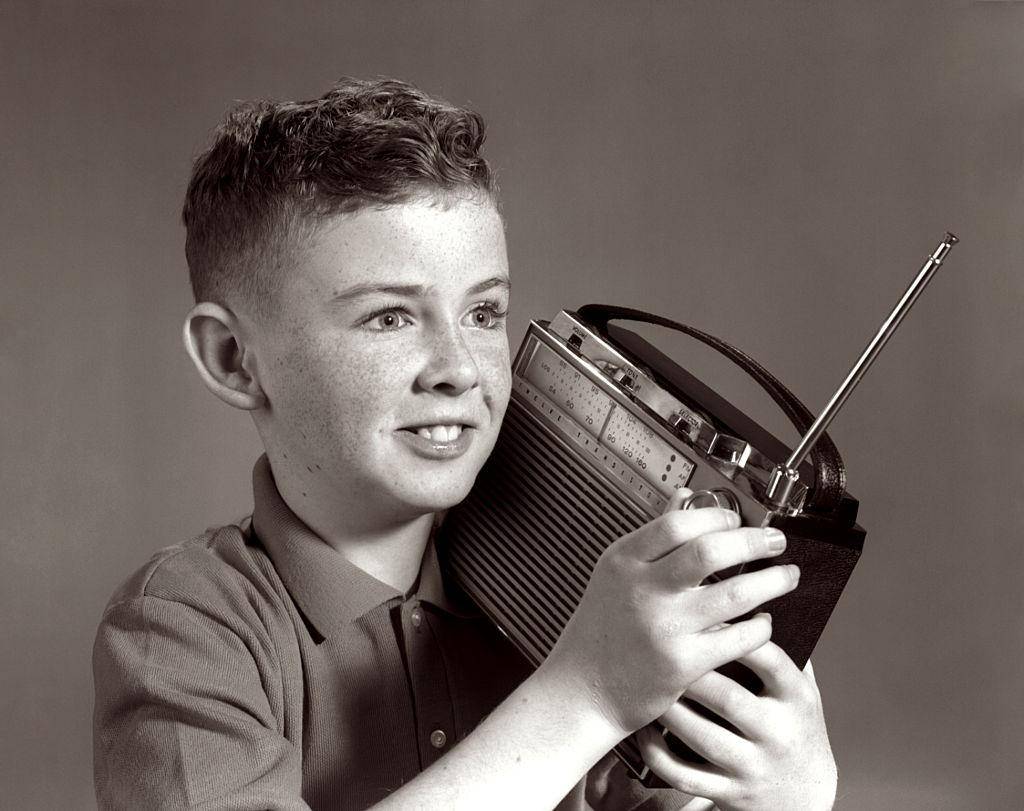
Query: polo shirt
(255, 667)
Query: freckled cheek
(357, 406)
(495, 374)
(335, 401)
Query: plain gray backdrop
(772, 173)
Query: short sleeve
(182, 717)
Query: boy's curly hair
(276, 168)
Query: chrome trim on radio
(732, 457)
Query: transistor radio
(601, 428)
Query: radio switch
(729, 450)
(686, 423)
(625, 378)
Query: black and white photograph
(461, 404)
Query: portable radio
(601, 428)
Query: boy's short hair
(276, 168)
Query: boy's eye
(487, 316)
(390, 319)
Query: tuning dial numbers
(644, 451)
(569, 389)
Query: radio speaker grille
(524, 543)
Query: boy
(349, 266)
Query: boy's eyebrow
(413, 290)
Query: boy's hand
(781, 757)
(646, 628)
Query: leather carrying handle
(829, 485)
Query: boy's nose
(451, 367)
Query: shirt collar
(330, 590)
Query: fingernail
(776, 539)
(732, 519)
(794, 572)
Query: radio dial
(718, 497)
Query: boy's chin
(438, 497)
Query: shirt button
(417, 620)
(438, 739)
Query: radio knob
(718, 497)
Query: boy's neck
(394, 556)
(388, 546)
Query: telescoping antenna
(785, 476)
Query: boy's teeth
(440, 433)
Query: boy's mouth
(442, 441)
(438, 433)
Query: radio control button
(624, 377)
(730, 450)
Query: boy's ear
(213, 341)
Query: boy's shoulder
(223, 566)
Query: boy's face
(386, 361)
